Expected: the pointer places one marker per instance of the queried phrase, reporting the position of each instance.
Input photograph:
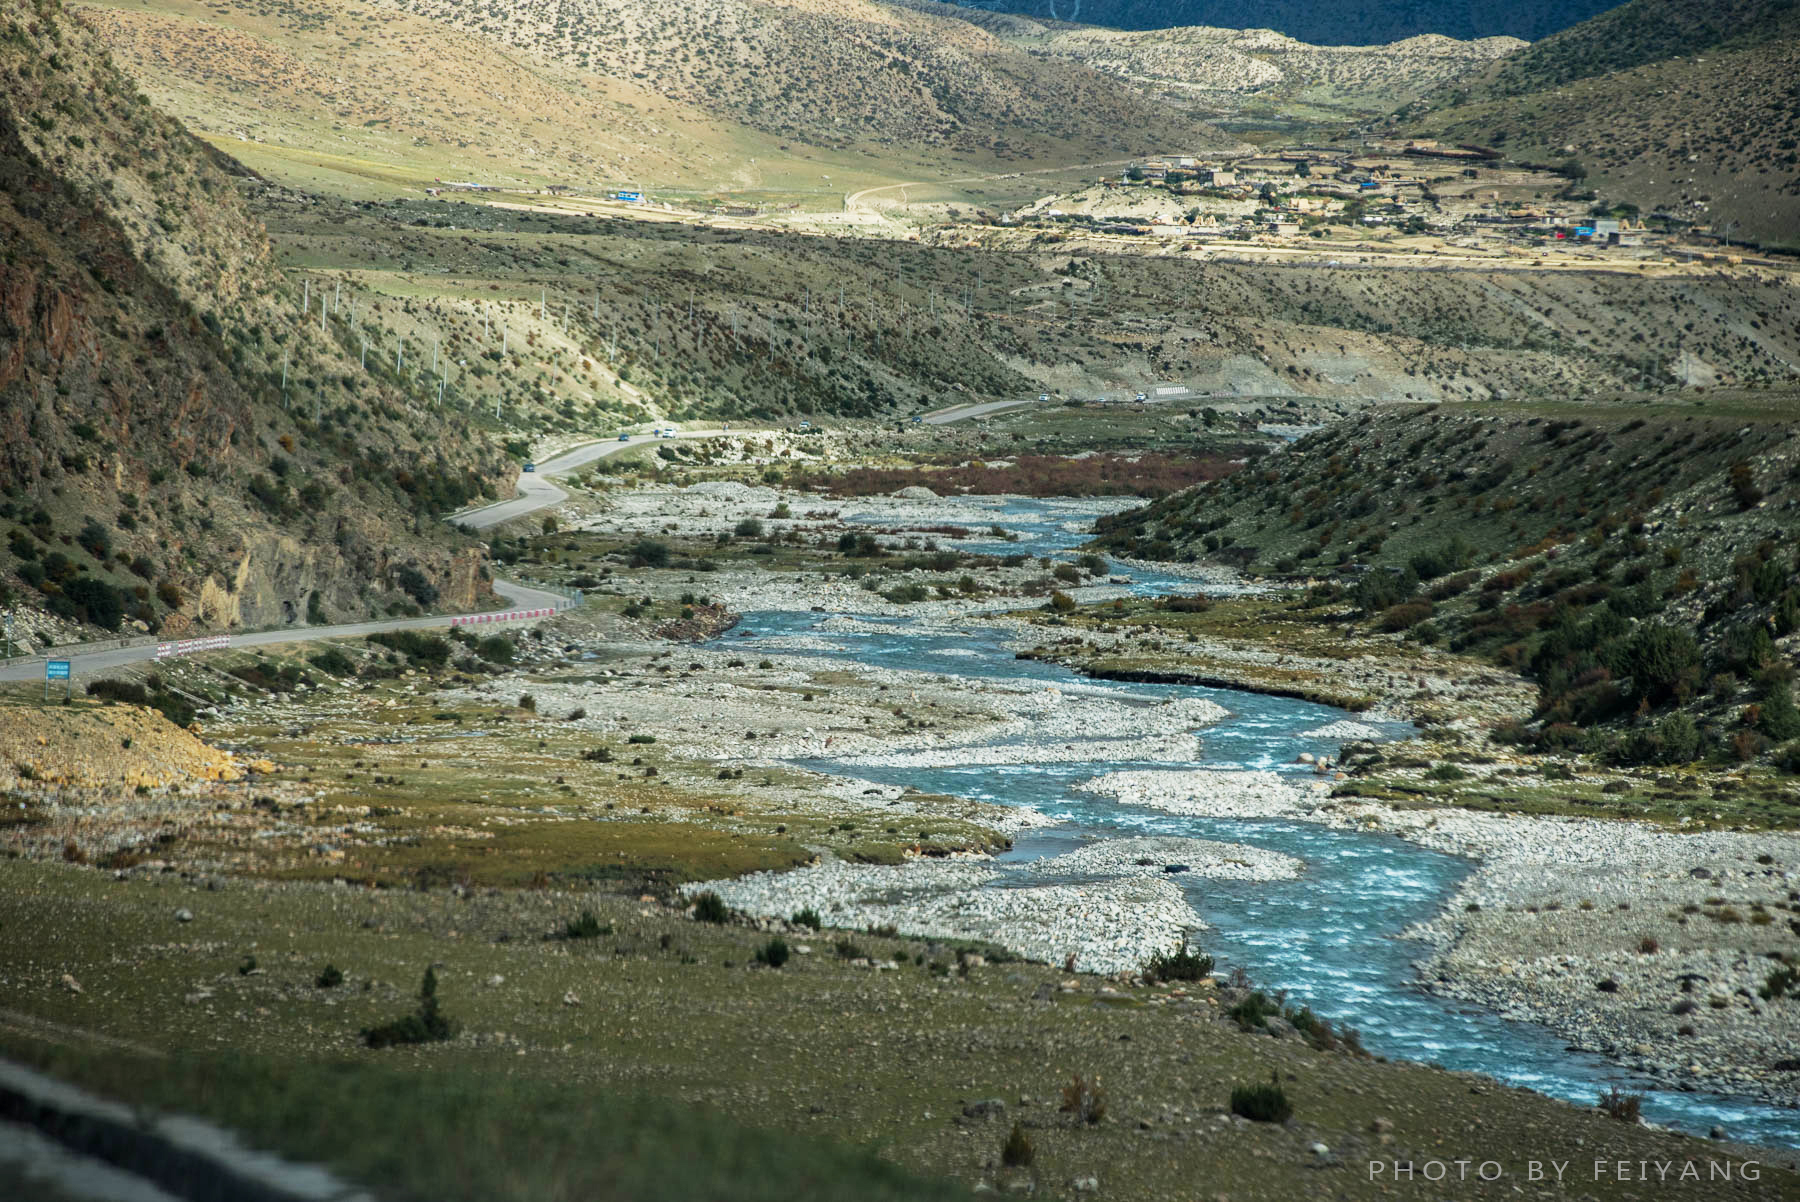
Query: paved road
(944, 417)
(535, 492)
(100, 658)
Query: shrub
(774, 953)
(1674, 740)
(1253, 1010)
(749, 528)
(333, 661)
(847, 950)
(95, 540)
(425, 649)
(1778, 717)
(528, 703)
(808, 917)
(648, 553)
(1743, 485)
(586, 927)
(1446, 772)
(710, 907)
(1061, 602)
(1625, 1107)
(1781, 982)
(329, 977)
(1663, 663)
(426, 1025)
(641, 739)
(1183, 965)
(118, 690)
(1084, 1099)
(1266, 1103)
(414, 584)
(90, 600)
(1017, 1152)
(1405, 615)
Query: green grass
(439, 1133)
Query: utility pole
(365, 354)
(306, 296)
(543, 293)
(284, 359)
(337, 296)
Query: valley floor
(387, 812)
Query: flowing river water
(1332, 937)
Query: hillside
(1637, 562)
(156, 470)
(1342, 23)
(1669, 105)
(698, 321)
(838, 74)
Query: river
(1333, 937)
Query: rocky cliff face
(179, 447)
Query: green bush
(808, 917)
(1254, 1010)
(774, 953)
(1182, 965)
(710, 907)
(1267, 1103)
(425, 649)
(1061, 602)
(648, 553)
(425, 1025)
(1446, 772)
(586, 927)
(1777, 715)
(333, 661)
(329, 977)
(1017, 1152)
(118, 690)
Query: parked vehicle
(531, 467)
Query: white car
(1043, 396)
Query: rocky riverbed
(1648, 945)
(1106, 908)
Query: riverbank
(1646, 945)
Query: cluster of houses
(1413, 187)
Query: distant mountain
(1686, 106)
(836, 73)
(1335, 23)
(180, 447)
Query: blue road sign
(56, 669)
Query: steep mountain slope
(1687, 107)
(154, 468)
(1339, 23)
(1638, 562)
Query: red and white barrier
(512, 615)
(217, 642)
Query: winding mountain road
(535, 492)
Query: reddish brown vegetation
(1147, 475)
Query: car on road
(1142, 397)
(531, 467)
(1043, 396)
(624, 438)
(917, 420)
